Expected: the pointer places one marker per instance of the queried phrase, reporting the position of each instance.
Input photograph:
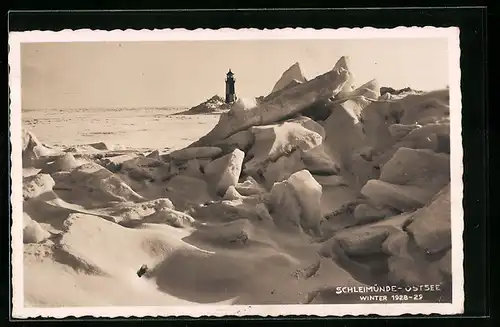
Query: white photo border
(320, 310)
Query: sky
(183, 74)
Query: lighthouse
(230, 92)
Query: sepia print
(236, 172)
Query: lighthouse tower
(230, 92)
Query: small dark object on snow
(142, 270)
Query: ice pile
(213, 105)
(336, 173)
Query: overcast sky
(183, 74)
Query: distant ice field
(145, 128)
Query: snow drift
(318, 183)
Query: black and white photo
(236, 172)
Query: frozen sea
(145, 128)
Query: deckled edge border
(144, 35)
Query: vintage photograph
(236, 172)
